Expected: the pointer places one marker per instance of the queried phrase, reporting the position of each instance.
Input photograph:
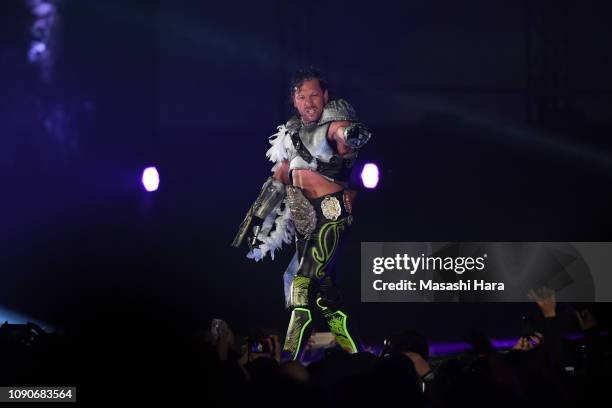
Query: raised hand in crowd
(225, 340)
(586, 319)
(546, 301)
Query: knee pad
(299, 292)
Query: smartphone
(527, 327)
(259, 344)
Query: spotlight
(150, 179)
(369, 175)
(37, 51)
(42, 9)
(44, 33)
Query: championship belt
(302, 212)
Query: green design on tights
(322, 253)
(299, 291)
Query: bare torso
(312, 183)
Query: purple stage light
(42, 8)
(37, 51)
(370, 175)
(44, 36)
(150, 179)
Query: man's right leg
(301, 318)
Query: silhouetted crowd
(543, 368)
(547, 367)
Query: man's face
(309, 100)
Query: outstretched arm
(336, 134)
(348, 135)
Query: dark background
(491, 122)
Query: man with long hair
(308, 197)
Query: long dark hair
(306, 74)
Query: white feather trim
(277, 229)
(281, 144)
(273, 239)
